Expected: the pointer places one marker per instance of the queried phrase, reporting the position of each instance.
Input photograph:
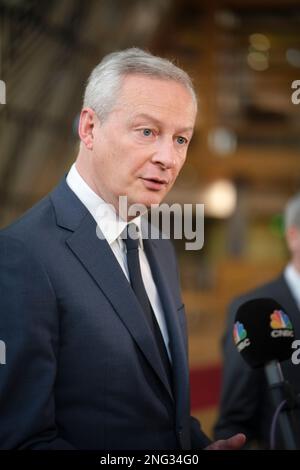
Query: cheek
(177, 169)
(137, 164)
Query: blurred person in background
(246, 403)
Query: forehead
(165, 98)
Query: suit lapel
(98, 259)
(177, 345)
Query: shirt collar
(110, 224)
(292, 277)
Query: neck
(121, 207)
(87, 174)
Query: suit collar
(69, 210)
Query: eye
(147, 132)
(181, 140)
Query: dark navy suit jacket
(82, 370)
(246, 404)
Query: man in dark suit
(91, 314)
(246, 403)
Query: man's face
(140, 148)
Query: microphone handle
(279, 391)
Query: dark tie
(137, 284)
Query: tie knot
(131, 238)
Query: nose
(165, 154)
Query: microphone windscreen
(263, 332)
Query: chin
(146, 199)
(149, 201)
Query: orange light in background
(219, 199)
(260, 42)
(258, 56)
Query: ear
(86, 127)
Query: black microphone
(263, 335)
(263, 332)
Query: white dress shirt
(292, 277)
(112, 227)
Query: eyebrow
(157, 122)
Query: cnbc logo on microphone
(240, 336)
(281, 325)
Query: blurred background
(244, 160)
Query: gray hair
(105, 81)
(292, 212)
